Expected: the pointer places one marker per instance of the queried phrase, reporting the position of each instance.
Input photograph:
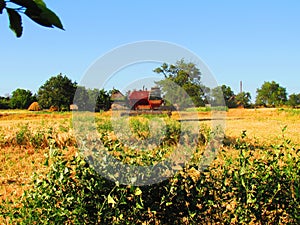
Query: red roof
(137, 95)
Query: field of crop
(254, 178)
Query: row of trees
(180, 80)
(188, 77)
(57, 92)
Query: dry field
(23, 145)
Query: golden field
(24, 142)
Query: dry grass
(263, 125)
(18, 163)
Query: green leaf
(27, 4)
(52, 18)
(40, 3)
(36, 17)
(110, 200)
(44, 17)
(2, 5)
(138, 191)
(15, 22)
(168, 203)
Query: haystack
(34, 107)
(53, 108)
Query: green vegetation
(58, 91)
(247, 183)
(36, 10)
(271, 94)
(182, 87)
(294, 100)
(21, 99)
(181, 80)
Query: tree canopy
(294, 100)
(21, 99)
(243, 99)
(223, 93)
(92, 99)
(271, 94)
(36, 10)
(57, 91)
(180, 80)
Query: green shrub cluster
(259, 186)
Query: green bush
(259, 186)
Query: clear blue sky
(253, 41)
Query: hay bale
(73, 107)
(53, 108)
(34, 107)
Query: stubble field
(26, 137)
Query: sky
(250, 41)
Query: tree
(243, 99)
(221, 94)
(271, 94)
(181, 80)
(294, 100)
(21, 99)
(103, 100)
(57, 91)
(92, 99)
(82, 99)
(4, 102)
(36, 10)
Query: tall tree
(271, 94)
(223, 93)
(4, 102)
(82, 99)
(294, 100)
(181, 80)
(243, 99)
(103, 100)
(57, 91)
(36, 10)
(21, 99)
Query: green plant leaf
(138, 191)
(15, 22)
(50, 16)
(44, 17)
(40, 3)
(2, 5)
(110, 200)
(36, 17)
(27, 4)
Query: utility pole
(241, 86)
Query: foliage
(21, 99)
(92, 99)
(294, 100)
(103, 101)
(57, 91)
(36, 10)
(258, 185)
(243, 99)
(180, 80)
(271, 94)
(223, 93)
(4, 102)
(38, 137)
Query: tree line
(59, 91)
(188, 76)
